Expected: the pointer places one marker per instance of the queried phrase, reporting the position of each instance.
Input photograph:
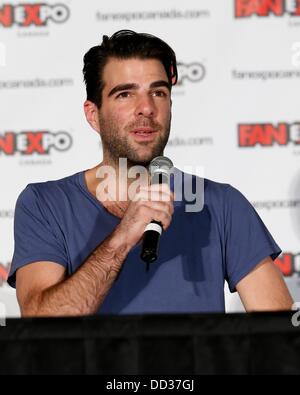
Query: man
(71, 243)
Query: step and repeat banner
(235, 109)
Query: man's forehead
(120, 70)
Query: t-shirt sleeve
(34, 237)
(247, 240)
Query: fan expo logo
(289, 264)
(192, 72)
(268, 135)
(26, 15)
(265, 8)
(29, 143)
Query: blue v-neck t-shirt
(62, 222)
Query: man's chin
(142, 159)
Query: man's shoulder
(228, 194)
(56, 183)
(51, 189)
(216, 186)
(197, 192)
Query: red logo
(32, 14)
(288, 264)
(268, 135)
(29, 143)
(4, 270)
(264, 8)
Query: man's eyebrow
(158, 84)
(122, 87)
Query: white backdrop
(235, 110)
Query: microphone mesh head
(160, 162)
(160, 170)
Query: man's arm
(42, 289)
(264, 289)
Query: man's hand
(153, 203)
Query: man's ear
(92, 115)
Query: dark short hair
(125, 44)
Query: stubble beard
(117, 144)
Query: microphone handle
(151, 242)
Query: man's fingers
(159, 206)
(155, 214)
(155, 193)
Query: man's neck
(116, 182)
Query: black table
(260, 343)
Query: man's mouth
(143, 131)
(144, 134)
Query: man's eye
(123, 95)
(159, 93)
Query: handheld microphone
(159, 169)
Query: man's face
(135, 114)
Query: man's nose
(145, 106)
